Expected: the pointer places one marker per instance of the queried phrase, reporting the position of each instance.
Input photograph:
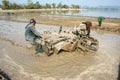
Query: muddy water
(20, 64)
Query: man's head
(33, 21)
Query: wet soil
(109, 25)
(21, 63)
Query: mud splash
(20, 64)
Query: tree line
(6, 5)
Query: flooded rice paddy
(20, 63)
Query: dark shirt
(30, 33)
(88, 24)
(101, 18)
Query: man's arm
(35, 32)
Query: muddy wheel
(94, 46)
(47, 50)
(74, 46)
(85, 45)
(56, 51)
(81, 45)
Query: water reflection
(90, 12)
(75, 12)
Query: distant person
(100, 20)
(88, 25)
(60, 30)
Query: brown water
(20, 64)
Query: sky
(69, 2)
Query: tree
(6, 4)
(48, 5)
(53, 5)
(37, 5)
(0, 6)
(14, 6)
(59, 5)
(65, 6)
(29, 1)
(30, 6)
(75, 6)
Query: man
(88, 25)
(31, 34)
(33, 37)
(100, 19)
